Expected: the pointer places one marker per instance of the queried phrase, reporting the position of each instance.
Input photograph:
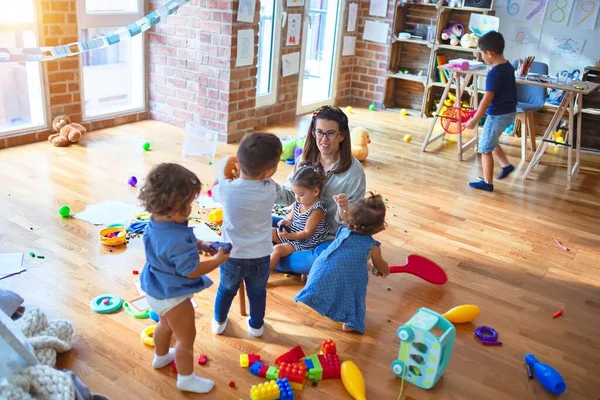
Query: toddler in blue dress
(337, 284)
(173, 271)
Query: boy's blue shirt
(501, 81)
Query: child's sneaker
(256, 332)
(506, 171)
(482, 185)
(217, 327)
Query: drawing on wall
(293, 31)
(558, 13)
(290, 64)
(585, 14)
(524, 36)
(349, 47)
(295, 3)
(378, 8)
(535, 11)
(246, 11)
(376, 31)
(352, 14)
(480, 24)
(511, 10)
(245, 48)
(567, 48)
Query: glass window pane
(113, 77)
(17, 12)
(111, 6)
(21, 96)
(265, 48)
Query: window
(269, 39)
(113, 77)
(21, 95)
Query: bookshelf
(418, 89)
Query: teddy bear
(66, 132)
(454, 33)
(360, 139)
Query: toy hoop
(454, 118)
(147, 335)
(106, 303)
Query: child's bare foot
(346, 328)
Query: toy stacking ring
(114, 236)
(486, 333)
(147, 335)
(106, 303)
(134, 313)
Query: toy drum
(113, 236)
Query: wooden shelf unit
(412, 91)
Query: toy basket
(453, 120)
(119, 238)
(199, 141)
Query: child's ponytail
(310, 176)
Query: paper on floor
(11, 264)
(204, 233)
(109, 212)
(208, 202)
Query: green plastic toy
(134, 313)
(64, 211)
(147, 146)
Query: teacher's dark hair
(311, 152)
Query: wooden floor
(497, 248)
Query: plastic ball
(64, 211)
(560, 139)
(403, 112)
(349, 110)
(147, 146)
(372, 107)
(407, 138)
(557, 134)
(132, 181)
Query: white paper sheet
(295, 3)
(585, 14)
(208, 202)
(11, 264)
(378, 8)
(349, 46)
(290, 64)
(246, 11)
(376, 31)
(204, 233)
(525, 36)
(109, 212)
(565, 47)
(559, 12)
(352, 14)
(534, 11)
(480, 24)
(294, 26)
(245, 48)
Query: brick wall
(58, 25)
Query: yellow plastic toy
(349, 110)
(557, 134)
(407, 138)
(560, 139)
(265, 391)
(118, 236)
(147, 335)
(462, 314)
(353, 380)
(403, 112)
(216, 216)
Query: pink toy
(421, 267)
(464, 66)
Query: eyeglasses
(331, 135)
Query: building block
(297, 386)
(292, 356)
(272, 373)
(309, 364)
(315, 371)
(248, 359)
(263, 371)
(265, 391)
(255, 368)
(328, 347)
(295, 372)
(285, 389)
(331, 366)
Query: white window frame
(271, 98)
(33, 26)
(103, 20)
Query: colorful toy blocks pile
(328, 347)
(295, 372)
(325, 365)
(247, 360)
(272, 390)
(294, 355)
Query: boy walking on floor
(500, 105)
(247, 205)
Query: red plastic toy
(262, 372)
(292, 356)
(231, 384)
(202, 360)
(295, 372)
(328, 347)
(558, 313)
(421, 267)
(453, 120)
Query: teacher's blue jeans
(299, 262)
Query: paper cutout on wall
(293, 29)
(246, 11)
(510, 11)
(480, 24)
(535, 11)
(352, 14)
(245, 48)
(376, 31)
(564, 47)
(349, 47)
(558, 13)
(290, 64)
(378, 8)
(585, 14)
(524, 36)
(295, 3)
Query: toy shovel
(421, 267)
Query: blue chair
(529, 100)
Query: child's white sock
(256, 332)
(193, 383)
(217, 327)
(163, 361)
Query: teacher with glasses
(327, 143)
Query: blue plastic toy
(548, 377)
(424, 356)
(154, 316)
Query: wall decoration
(565, 47)
(290, 64)
(295, 3)
(378, 8)
(483, 4)
(524, 36)
(352, 15)
(349, 47)
(293, 29)
(535, 11)
(376, 31)
(558, 13)
(245, 48)
(585, 14)
(246, 11)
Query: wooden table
(571, 103)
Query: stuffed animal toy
(453, 34)
(360, 140)
(469, 41)
(225, 168)
(66, 132)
